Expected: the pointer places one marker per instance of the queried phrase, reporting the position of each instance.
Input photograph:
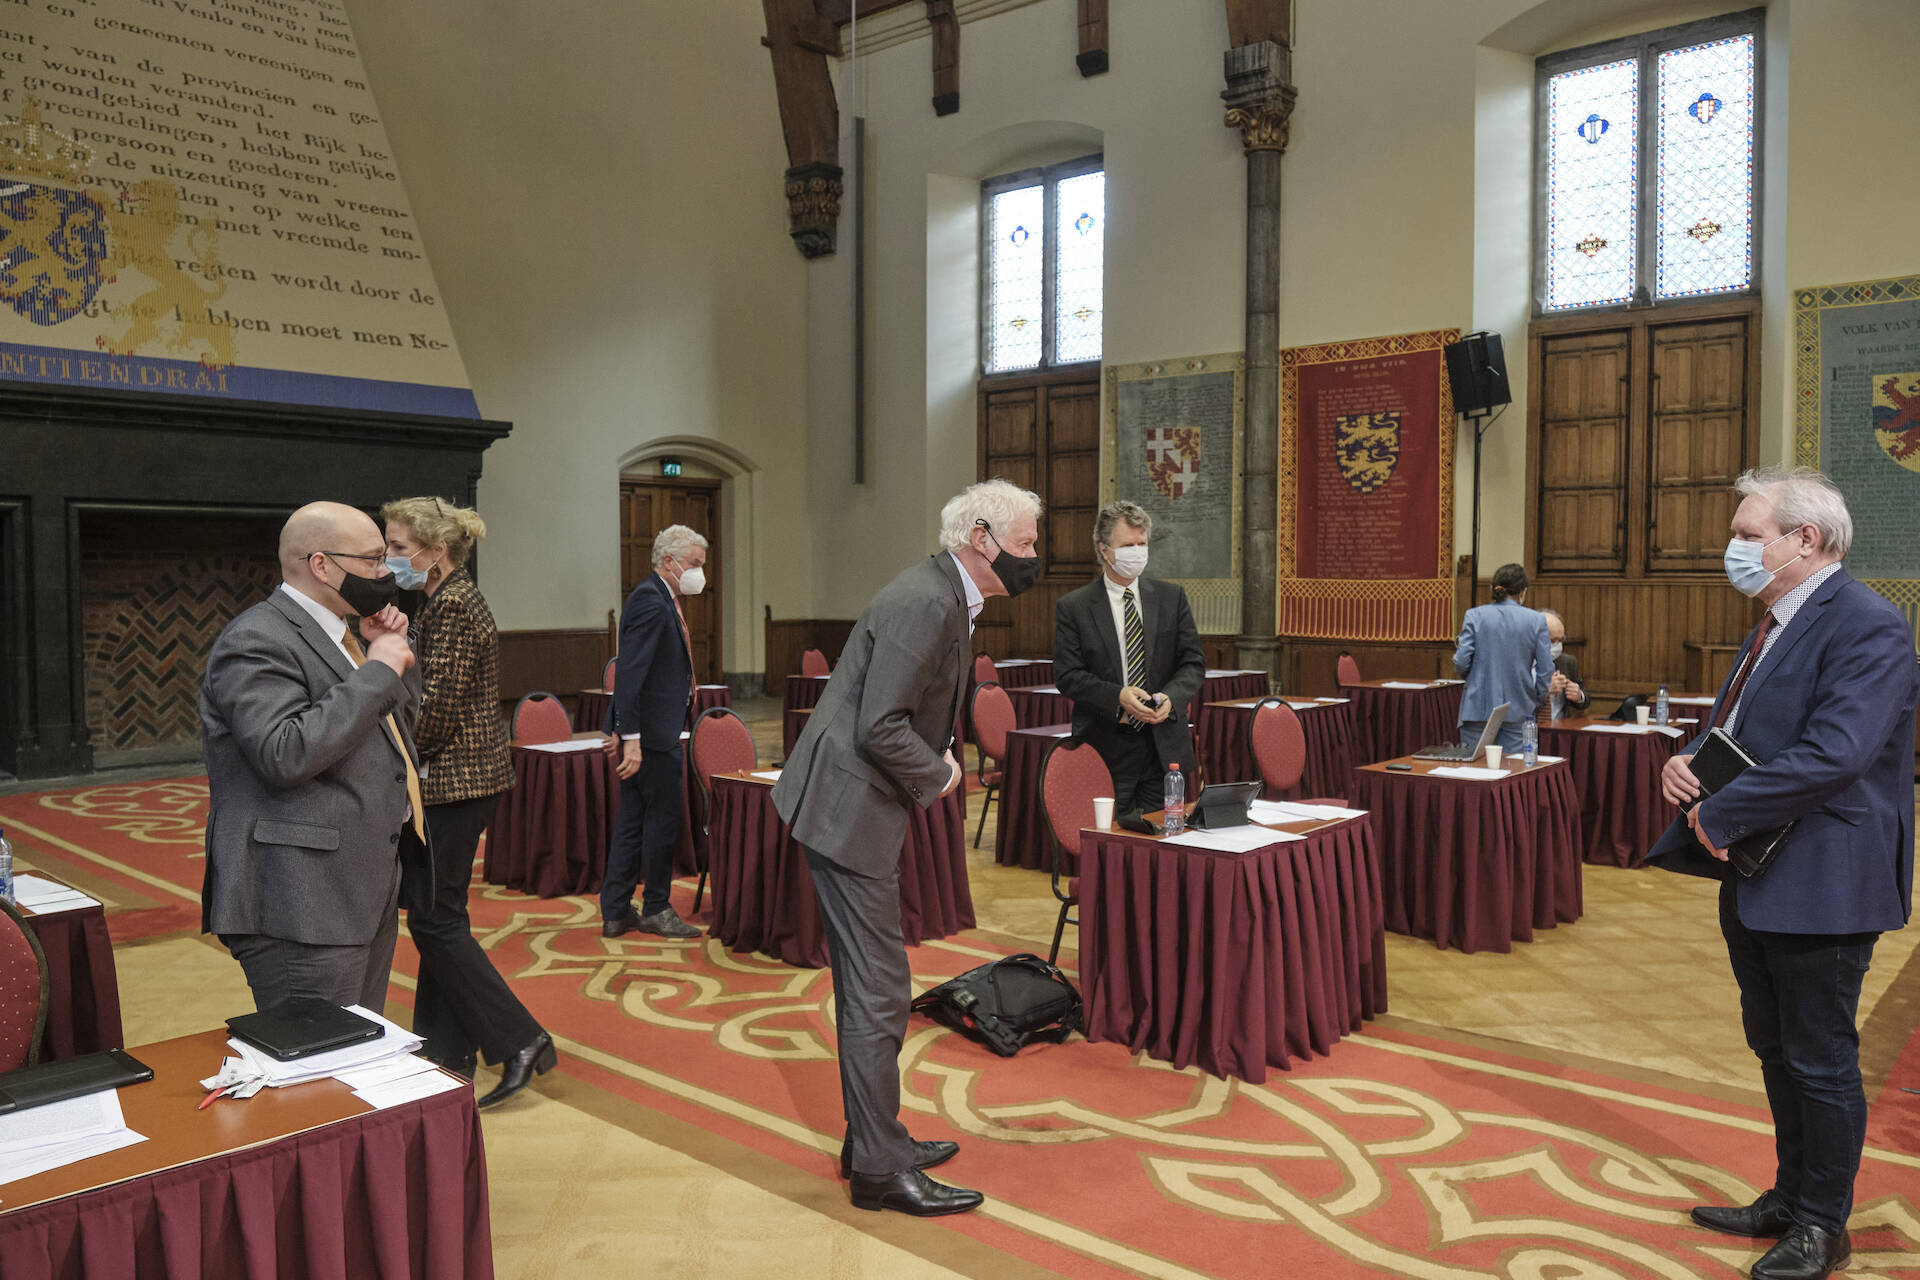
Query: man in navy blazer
(652, 685)
(1823, 696)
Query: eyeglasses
(342, 555)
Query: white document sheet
(572, 744)
(1405, 684)
(1474, 772)
(1641, 729)
(44, 897)
(1691, 700)
(62, 1133)
(771, 775)
(422, 1084)
(1294, 811)
(1232, 839)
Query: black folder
(1719, 761)
(70, 1078)
(296, 1028)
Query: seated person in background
(1115, 641)
(1505, 656)
(1564, 692)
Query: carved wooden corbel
(801, 36)
(1092, 59)
(945, 26)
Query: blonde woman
(462, 1004)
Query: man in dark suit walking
(879, 742)
(652, 685)
(1823, 697)
(313, 780)
(1116, 639)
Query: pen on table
(208, 1100)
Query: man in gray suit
(880, 740)
(313, 779)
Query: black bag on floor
(1007, 1004)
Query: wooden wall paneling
(1699, 424)
(561, 661)
(1072, 492)
(785, 639)
(1583, 448)
(1307, 667)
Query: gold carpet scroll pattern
(149, 812)
(1350, 1160)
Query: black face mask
(366, 596)
(1016, 573)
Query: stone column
(1259, 97)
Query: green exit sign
(669, 466)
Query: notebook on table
(1455, 751)
(295, 1028)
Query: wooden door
(1697, 427)
(1583, 453)
(648, 506)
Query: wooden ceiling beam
(1258, 21)
(945, 25)
(841, 12)
(810, 119)
(1092, 59)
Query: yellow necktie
(359, 657)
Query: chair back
(540, 717)
(24, 991)
(720, 743)
(993, 720)
(1346, 670)
(984, 668)
(1277, 745)
(814, 663)
(1070, 777)
(606, 675)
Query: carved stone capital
(813, 207)
(1259, 94)
(1263, 125)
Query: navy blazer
(1829, 713)
(653, 673)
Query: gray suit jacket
(307, 789)
(875, 743)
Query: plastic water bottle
(1530, 742)
(1176, 801)
(6, 868)
(1660, 706)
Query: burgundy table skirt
(83, 1006)
(1024, 675)
(550, 834)
(399, 1192)
(1020, 837)
(1617, 777)
(1040, 704)
(804, 691)
(1232, 962)
(1231, 686)
(763, 897)
(1476, 866)
(1399, 722)
(1328, 728)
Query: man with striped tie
(1126, 650)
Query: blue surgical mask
(405, 575)
(1746, 567)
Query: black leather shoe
(667, 923)
(1804, 1253)
(624, 924)
(517, 1072)
(461, 1066)
(1767, 1216)
(911, 1191)
(926, 1156)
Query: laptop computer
(1454, 751)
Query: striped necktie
(359, 657)
(1136, 644)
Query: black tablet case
(297, 1028)
(1718, 762)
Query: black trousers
(280, 969)
(1139, 776)
(1799, 997)
(461, 1002)
(652, 804)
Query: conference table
(296, 1182)
(1023, 673)
(594, 704)
(1396, 717)
(762, 892)
(1021, 837)
(83, 987)
(1475, 865)
(1232, 961)
(1044, 703)
(1040, 704)
(549, 836)
(1616, 774)
(1327, 724)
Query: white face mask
(693, 581)
(1554, 648)
(1130, 562)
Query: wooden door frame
(715, 569)
(1637, 322)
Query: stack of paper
(45, 897)
(571, 744)
(391, 1043)
(397, 1080)
(1690, 700)
(771, 775)
(1477, 773)
(1405, 684)
(62, 1133)
(1293, 811)
(1232, 839)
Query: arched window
(1043, 236)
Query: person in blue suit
(1505, 656)
(1823, 696)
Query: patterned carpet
(1407, 1152)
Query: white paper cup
(1493, 757)
(1644, 714)
(1103, 812)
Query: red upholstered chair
(1346, 670)
(1279, 748)
(814, 663)
(984, 668)
(991, 714)
(721, 743)
(540, 717)
(1070, 777)
(606, 675)
(24, 988)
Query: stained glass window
(1592, 188)
(1016, 279)
(1704, 184)
(1044, 244)
(1080, 229)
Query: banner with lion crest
(1366, 490)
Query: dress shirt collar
(1789, 604)
(330, 622)
(975, 601)
(1115, 588)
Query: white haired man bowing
(879, 742)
